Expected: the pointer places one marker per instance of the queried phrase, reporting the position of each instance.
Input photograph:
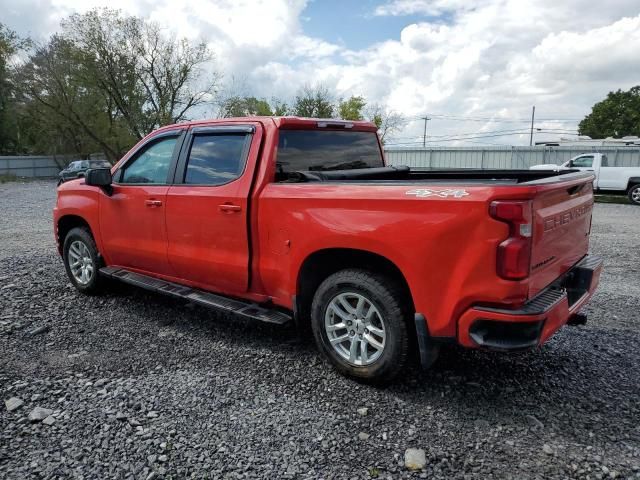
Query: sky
(475, 68)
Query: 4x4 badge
(428, 192)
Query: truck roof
(288, 122)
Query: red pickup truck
(292, 219)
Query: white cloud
(480, 59)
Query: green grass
(612, 199)
(7, 177)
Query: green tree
(10, 45)
(618, 115)
(280, 108)
(108, 79)
(314, 102)
(237, 106)
(68, 105)
(352, 108)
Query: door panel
(612, 178)
(133, 228)
(207, 234)
(132, 218)
(207, 208)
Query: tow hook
(577, 319)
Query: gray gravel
(140, 386)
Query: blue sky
(352, 23)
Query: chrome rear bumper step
(201, 297)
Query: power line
(471, 137)
(441, 116)
(477, 132)
(461, 136)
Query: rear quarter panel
(445, 247)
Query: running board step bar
(211, 300)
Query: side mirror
(99, 177)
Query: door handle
(153, 203)
(229, 208)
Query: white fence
(503, 157)
(29, 166)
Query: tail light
(514, 254)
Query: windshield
(304, 150)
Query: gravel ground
(135, 385)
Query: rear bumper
(538, 319)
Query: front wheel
(359, 322)
(634, 194)
(82, 261)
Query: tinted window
(300, 150)
(152, 164)
(216, 159)
(604, 161)
(583, 162)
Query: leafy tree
(111, 79)
(315, 102)
(352, 108)
(618, 115)
(245, 107)
(68, 105)
(10, 44)
(280, 108)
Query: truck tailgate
(561, 227)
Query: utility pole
(424, 136)
(533, 116)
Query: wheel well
(319, 265)
(65, 224)
(633, 182)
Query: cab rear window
(309, 150)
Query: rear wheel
(82, 261)
(360, 323)
(634, 194)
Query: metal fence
(29, 166)
(503, 157)
(434, 157)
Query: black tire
(388, 298)
(95, 283)
(634, 194)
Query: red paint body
(445, 248)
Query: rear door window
(308, 150)
(216, 159)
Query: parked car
(78, 168)
(292, 219)
(609, 179)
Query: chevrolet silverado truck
(299, 220)
(609, 178)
